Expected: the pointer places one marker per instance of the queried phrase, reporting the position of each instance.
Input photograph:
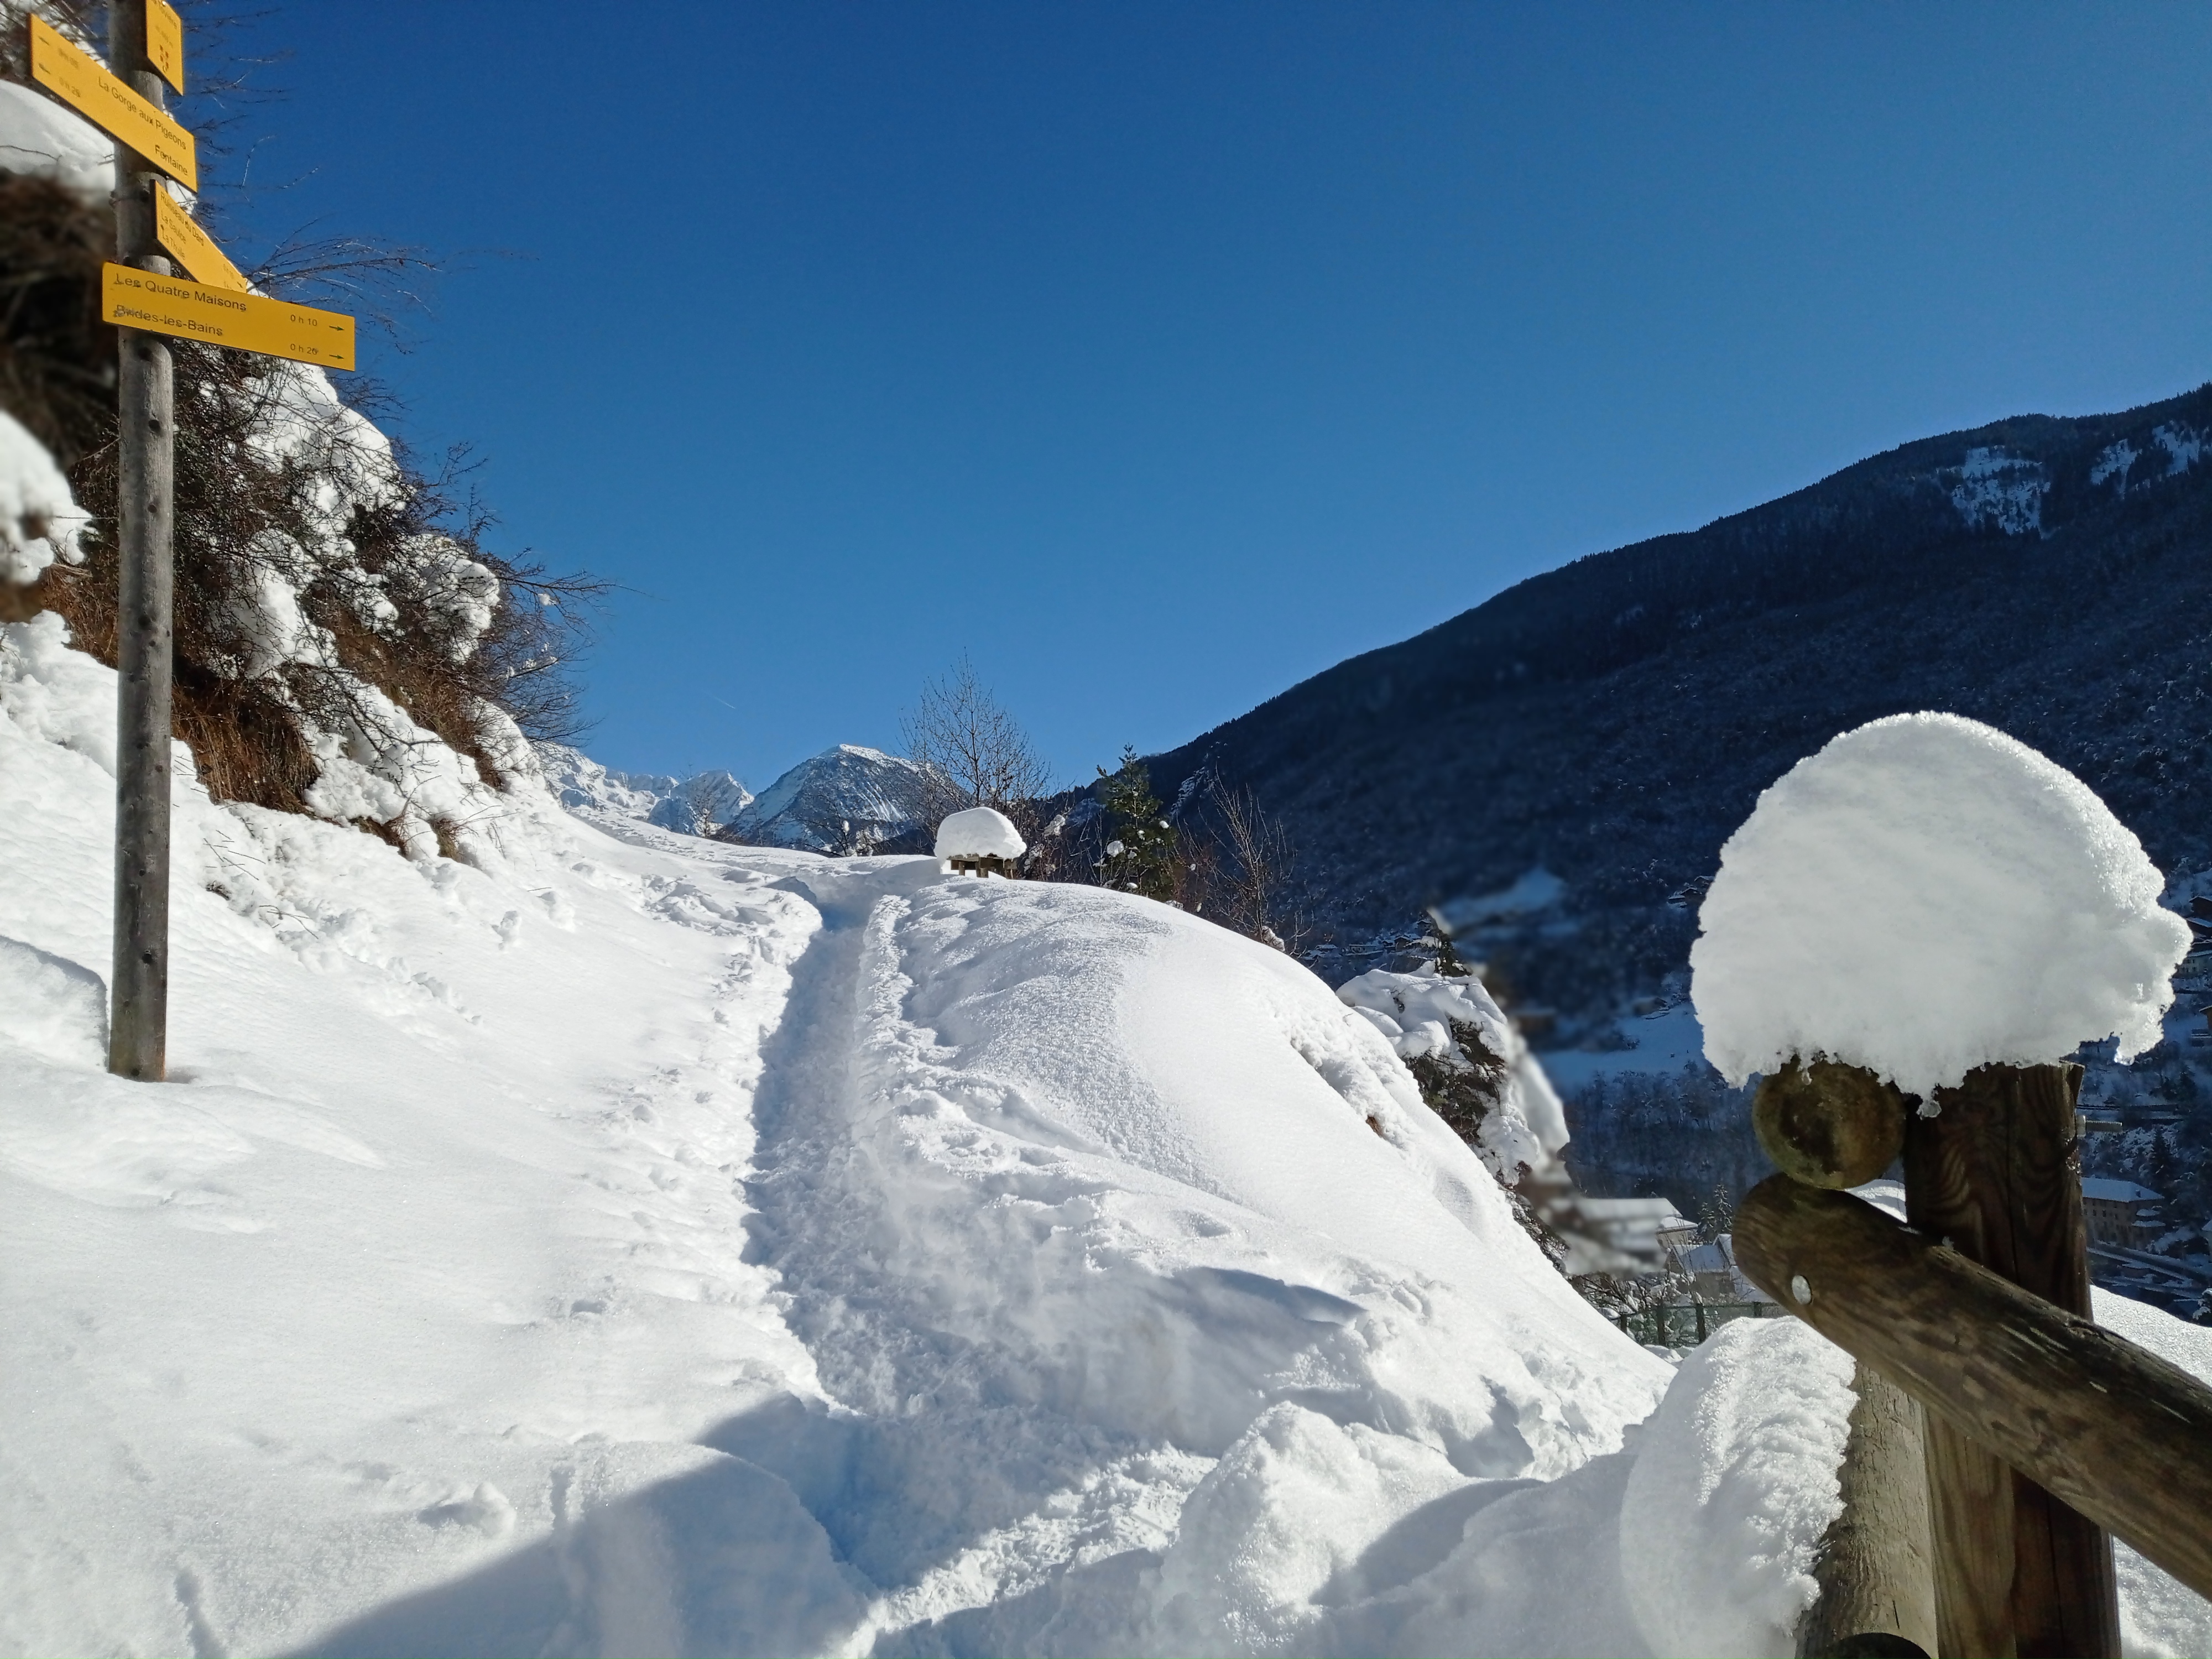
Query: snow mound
(1925, 895)
(979, 832)
(54, 1007)
(1735, 1482)
(39, 521)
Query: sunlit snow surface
(1925, 895)
(652, 1245)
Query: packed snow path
(631, 1244)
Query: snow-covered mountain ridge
(696, 805)
(847, 799)
(1615, 719)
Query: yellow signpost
(148, 40)
(76, 77)
(193, 248)
(165, 42)
(221, 316)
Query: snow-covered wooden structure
(1845, 929)
(981, 842)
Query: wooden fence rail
(2114, 1430)
(1686, 1324)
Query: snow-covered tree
(1140, 850)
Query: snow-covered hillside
(656, 1245)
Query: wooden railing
(2040, 1430)
(1686, 1324)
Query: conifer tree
(1140, 854)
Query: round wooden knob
(1827, 1125)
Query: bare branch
(972, 753)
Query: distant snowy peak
(581, 784)
(702, 805)
(692, 806)
(843, 799)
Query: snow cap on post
(1923, 897)
(979, 833)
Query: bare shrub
(972, 753)
(1251, 883)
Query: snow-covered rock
(1925, 895)
(39, 520)
(842, 798)
(979, 832)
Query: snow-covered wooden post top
(981, 842)
(1912, 931)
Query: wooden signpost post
(147, 301)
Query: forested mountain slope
(1615, 720)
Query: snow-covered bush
(1474, 1070)
(345, 643)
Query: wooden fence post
(1996, 1175)
(1876, 1599)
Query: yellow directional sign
(165, 42)
(78, 78)
(194, 249)
(221, 316)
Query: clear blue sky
(1161, 355)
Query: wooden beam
(1995, 1173)
(1829, 1124)
(2113, 1430)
